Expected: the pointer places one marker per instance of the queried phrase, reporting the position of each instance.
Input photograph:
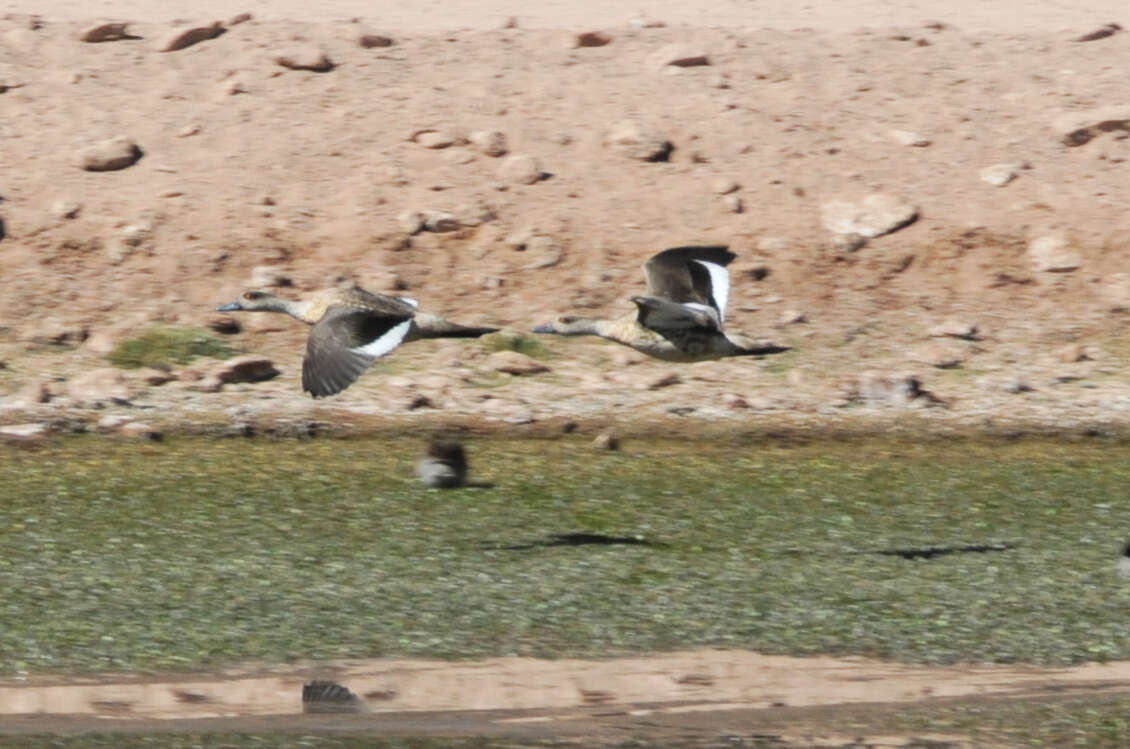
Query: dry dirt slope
(249, 164)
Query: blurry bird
(352, 329)
(443, 466)
(680, 319)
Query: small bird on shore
(352, 328)
(680, 319)
(443, 466)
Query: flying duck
(680, 319)
(352, 328)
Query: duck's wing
(691, 275)
(345, 342)
(659, 314)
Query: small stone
(879, 388)
(1102, 32)
(459, 156)
(33, 392)
(411, 222)
(1010, 384)
(490, 142)
(109, 155)
(724, 186)
(100, 387)
(999, 175)
(938, 354)
(268, 276)
(680, 56)
(1077, 352)
(239, 18)
(305, 58)
(876, 215)
(512, 362)
(544, 251)
(154, 377)
(592, 39)
(733, 203)
(663, 381)
(845, 243)
(23, 433)
(606, 441)
(1077, 128)
(247, 368)
(140, 430)
(793, 317)
(910, 139)
(374, 41)
(182, 38)
(442, 222)
(735, 401)
(954, 329)
(65, 209)
(188, 130)
(106, 32)
(636, 141)
(434, 138)
(110, 422)
(521, 169)
(1052, 254)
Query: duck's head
(255, 300)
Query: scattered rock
(512, 362)
(664, 380)
(733, 203)
(268, 276)
(410, 222)
(140, 430)
(954, 329)
(999, 175)
(909, 138)
(33, 393)
(100, 387)
(680, 56)
(1077, 128)
(305, 58)
(106, 32)
(1009, 384)
(544, 251)
(239, 18)
(735, 401)
(179, 39)
(877, 388)
(940, 355)
(606, 441)
(490, 142)
(434, 138)
(845, 243)
(793, 317)
(1052, 254)
(636, 141)
(65, 209)
(247, 368)
(110, 422)
(154, 377)
(441, 222)
(55, 332)
(459, 156)
(374, 41)
(24, 433)
(109, 155)
(188, 130)
(724, 186)
(876, 215)
(1077, 352)
(1103, 32)
(521, 169)
(592, 39)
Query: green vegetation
(164, 347)
(198, 552)
(523, 344)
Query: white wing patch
(719, 286)
(410, 302)
(385, 343)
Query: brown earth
(246, 164)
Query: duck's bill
(229, 307)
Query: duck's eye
(249, 295)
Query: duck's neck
(299, 310)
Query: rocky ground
(933, 218)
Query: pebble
(490, 142)
(544, 251)
(733, 203)
(680, 56)
(441, 222)
(140, 430)
(521, 169)
(606, 441)
(662, 381)
(1077, 128)
(374, 41)
(65, 209)
(954, 329)
(909, 138)
(999, 175)
(410, 222)
(268, 276)
(99, 387)
(1052, 254)
(724, 186)
(434, 138)
(793, 317)
(305, 58)
(23, 433)
(109, 155)
(106, 32)
(183, 38)
(514, 363)
(246, 368)
(592, 39)
(876, 215)
(635, 140)
(239, 18)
